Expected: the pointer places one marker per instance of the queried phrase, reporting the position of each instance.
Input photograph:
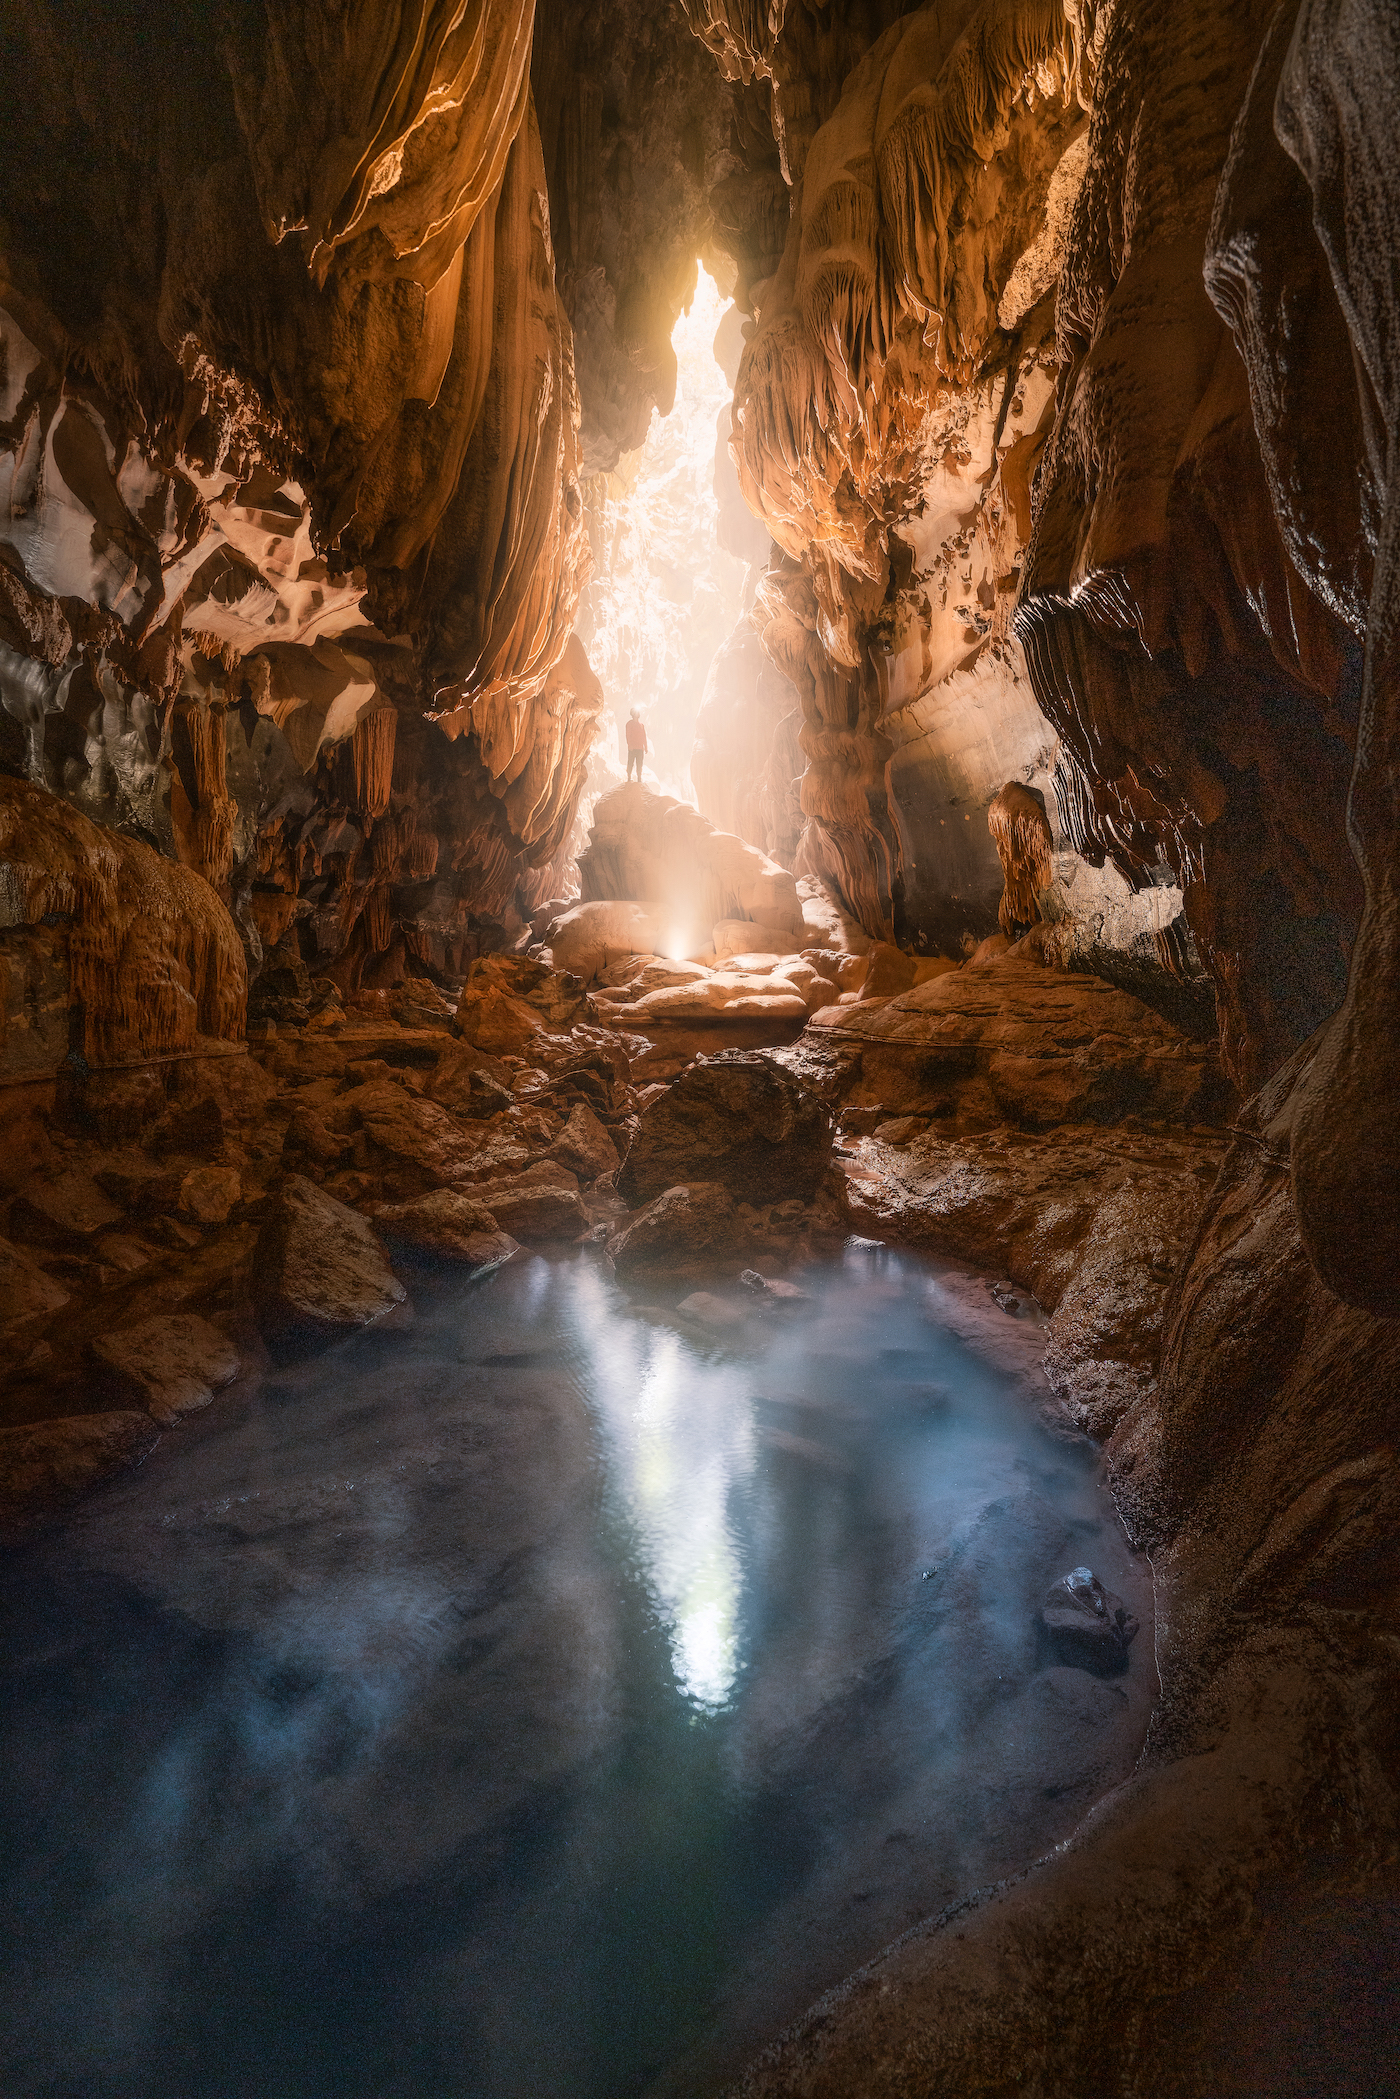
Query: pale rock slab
(449, 1226)
(173, 1365)
(318, 1271)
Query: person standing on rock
(636, 743)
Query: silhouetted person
(636, 744)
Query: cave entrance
(666, 589)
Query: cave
(699, 1030)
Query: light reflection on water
(544, 1703)
(680, 1445)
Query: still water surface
(545, 1703)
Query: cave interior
(689, 692)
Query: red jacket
(636, 735)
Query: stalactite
(373, 751)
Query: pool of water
(546, 1702)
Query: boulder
(472, 1095)
(683, 1223)
(804, 978)
(28, 1297)
(648, 848)
(708, 993)
(584, 1146)
(139, 1187)
(900, 1129)
(1042, 1046)
(413, 1140)
(47, 1464)
(590, 938)
(173, 1366)
(318, 1270)
(541, 1204)
(208, 1193)
(62, 1212)
(740, 937)
(889, 970)
(449, 1226)
(508, 1002)
(1086, 1624)
(499, 1154)
(458, 1081)
(741, 1119)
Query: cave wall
(1042, 404)
(289, 445)
(889, 415)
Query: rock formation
(1049, 786)
(291, 461)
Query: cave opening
(668, 586)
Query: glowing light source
(665, 595)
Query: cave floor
(552, 1697)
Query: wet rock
(584, 1145)
(541, 1204)
(1086, 1624)
(740, 1119)
(318, 1270)
(1093, 1224)
(683, 1223)
(208, 1193)
(773, 1289)
(173, 1366)
(450, 1226)
(28, 1297)
(47, 1464)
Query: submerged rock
(742, 1120)
(318, 1270)
(1087, 1624)
(705, 1309)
